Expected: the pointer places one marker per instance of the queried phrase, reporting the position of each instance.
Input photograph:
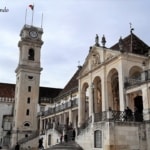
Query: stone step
(66, 146)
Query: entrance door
(138, 103)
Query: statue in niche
(115, 93)
(96, 59)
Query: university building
(104, 106)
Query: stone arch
(85, 101)
(27, 124)
(113, 90)
(97, 95)
(135, 72)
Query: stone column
(121, 76)
(146, 102)
(70, 116)
(91, 111)
(104, 90)
(80, 104)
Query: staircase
(71, 145)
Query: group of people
(66, 136)
(128, 114)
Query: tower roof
(138, 46)
(49, 92)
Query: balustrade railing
(62, 107)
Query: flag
(31, 6)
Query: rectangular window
(7, 125)
(28, 100)
(98, 139)
(49, 139)
(27, 112)
(29, 88)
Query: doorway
(138, 104)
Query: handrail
(118, 116)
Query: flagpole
(25, 15)
(32, 14)
(42, 21)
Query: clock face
(33, 34)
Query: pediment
(85, 69)
(93, 60)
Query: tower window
(27, 112)
(30, 77)
(28, 100)
(31, 54)
(29, 88)
(26, 135)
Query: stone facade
(106, 103)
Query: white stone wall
(55, 138)
(5, 109)
(85, 139)
(116, 136)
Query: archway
(138, 104)
(113, 90)
(85, 101)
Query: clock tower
(27, 83)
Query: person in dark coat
(73, 134)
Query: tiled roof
(72, 84)
(138, 46)
(49, 92)
(7, 90)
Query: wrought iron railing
(118, 116)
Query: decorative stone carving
(109, 56)
(95, 59)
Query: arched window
(26, 124)
(31, 54)
(98, 139)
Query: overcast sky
(69, 28)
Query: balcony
(71, 104)
(138, 80)
(118, 116)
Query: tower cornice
(28, 68)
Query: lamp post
(17, 147)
